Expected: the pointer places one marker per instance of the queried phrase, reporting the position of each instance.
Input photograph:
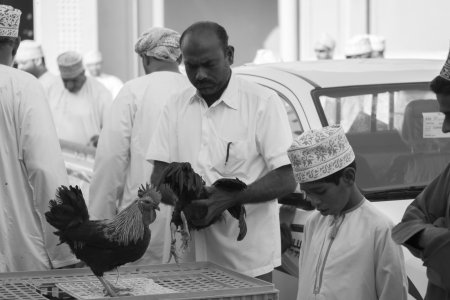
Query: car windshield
(395, 131)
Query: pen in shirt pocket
(228, 152)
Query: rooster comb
(148, 191)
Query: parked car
(391, 119)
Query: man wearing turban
(120, 165)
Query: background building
(412, 28)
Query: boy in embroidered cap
(425, 226)
(347, 251)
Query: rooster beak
(157, 207)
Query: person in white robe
(120, 164)
(31, 164)
(347, 251)
(79, 106)
(30, 58)
(93, 61)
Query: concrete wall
(248, 22)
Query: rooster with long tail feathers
(104, 244)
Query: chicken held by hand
(187, 187)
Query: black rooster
(104, 244)
(188, 186)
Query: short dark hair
(439, 85)
(220, 32)
(334, 178)
(7, 40)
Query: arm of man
(276, 183)
(42, 158)
(425, 221)
(112, 158)
(390, 275)
(273, 138)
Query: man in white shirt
(30, 58)
(347, 251)
(228, 127)
(80, 105)
(93, 61)
(120, 165)
(31, 164)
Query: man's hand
(202, 212)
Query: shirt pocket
(228, 158)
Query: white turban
(358, 45)
(161, 43)
(28, 50)
(70, 64)
(377, 42)
(92, 57)
(325, 42)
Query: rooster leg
(111, 290)
(173, 250)
(185, 235)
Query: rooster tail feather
(242, 224)
(68, 209)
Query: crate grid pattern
(19, 291)
(186, 278)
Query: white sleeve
(40, 152)
(390, 275)
(273, 133)
(112, 158)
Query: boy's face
(327, 197)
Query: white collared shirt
(250, 123)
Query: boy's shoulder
(375, 217)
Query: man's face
(94, 69)
(73, 85)
(206, 61)
(323, 53)
(327, 197)
(27, 66)
(444, 107)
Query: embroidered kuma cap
(29, 49)
(70, 64)
(445, 71)
(318, 153)
(9, 21)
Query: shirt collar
(229, 96)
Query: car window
(294, 120)
(395, 132)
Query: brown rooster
(187, 186)
(104, 244)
